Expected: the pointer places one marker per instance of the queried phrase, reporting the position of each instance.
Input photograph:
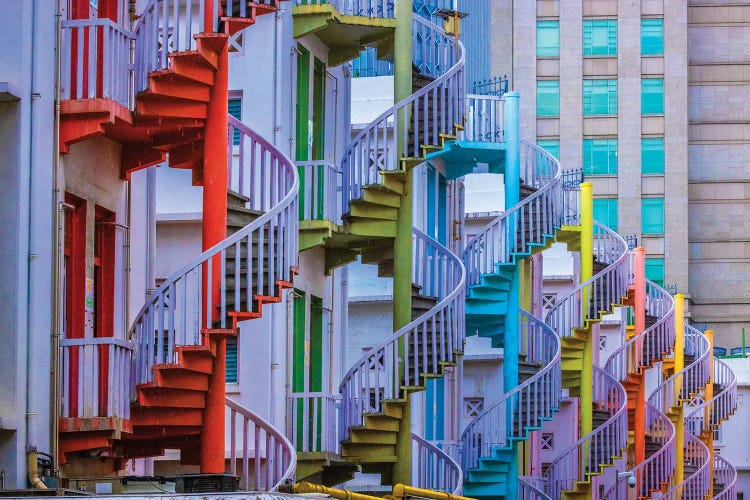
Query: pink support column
(639, 426)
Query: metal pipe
(277, 75)
(402, 491)
(58, 206)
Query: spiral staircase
(375, 390)
(179, 335)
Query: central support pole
(402, 246)
(586, 397)
(214, 231)
(512, 178)
(679, 365)
(708, 434)
(639, 424)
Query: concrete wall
(719, 179)
(26, 64)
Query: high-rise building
(646, 96)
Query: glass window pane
(655, 270)
(600, 37)
(552, 146)
(548, 98)
(652, 155)
(600, 156)
(652, 96)
(599, 97)
(605, 212)
(652, 36)
(652, 215)
(548, 38)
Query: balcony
(346, 26)
(319, 202)
(95, 392)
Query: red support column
(214, 231)
(639, 447)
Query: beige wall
(719, 134)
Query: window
(547, 97)
(652, 96)
(548, 441)
(655, 270)
(600, 37)
(600, 97)
(549, 300)
(473, 406)
(231, 376)
(551, 146)
(600, 156)
(652, 36)
(605, 212)
(235, 109)
(602, 343)
(652, 155)
(652, 215)
(548, 38)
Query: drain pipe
(32, 465)
(277, 75)
(58, 208)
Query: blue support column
(512, 139)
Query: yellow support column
(679, 365)
(708, 433)
(587, 267)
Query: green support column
(402, 246)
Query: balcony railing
(484, 118)
(313, 420)
(363, 8)
(96, 61)
(96, 377)
(319, 188)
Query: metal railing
(531, 220)
(319, 200)
(638, 353)
(433, 468)
(313, 421)
(726, 475)
(603, 290)
(589, 454)
(422, 117)
(708, 415)
(177, 312)
(96, 377)
(495, 86)
(696, 485)
(271, 455)
(164, 27)
(484, 118)
(96, 61)
(526, 406)
(532, 488)
(420, 347)
(363, 8)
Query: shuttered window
(235, 109)
(232, 376)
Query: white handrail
(313, 421)
(362, 8)
(178, 311)
(532, 488)
(726, 475)
(423, 116)
(419, 348)
(435, 469)
(264, 442)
